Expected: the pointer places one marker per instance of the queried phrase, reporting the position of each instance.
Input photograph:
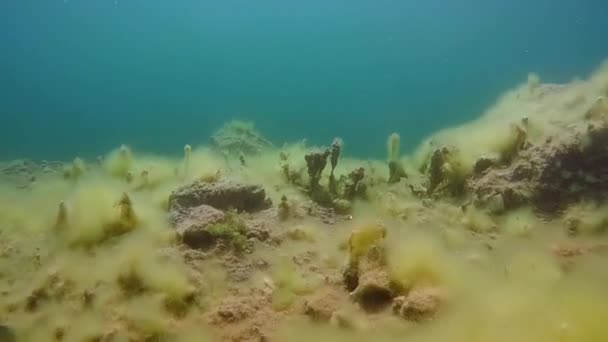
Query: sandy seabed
(490, 231)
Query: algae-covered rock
(193, 226)
(221, 195)
(233, 310)
(231, 232)
(419, 304)
(375, 290)
(550, 175)
(362, 240)
(240, 138)
(196, 210)
(321, 306)
(301, 234)
(326, 215)
(366, 275)
(364, 271)
(482, 164)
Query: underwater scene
(277, 171)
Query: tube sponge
(533, 82)
(284, 209)
(90, 211)
(126, 220)
(336, 149)
(145, 178)
(516, 142)
(396, 170)
(393, 146)
(129, 177)
(61, 221)
(119, 162)
(76, 170)
(187, 153)
(145, 181)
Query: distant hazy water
(82, 76)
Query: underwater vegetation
(494, 230)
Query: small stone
(322, 306)
(419, 304)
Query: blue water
(83, 76)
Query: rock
(200, 216)
(19, 166)
(569, 251)
(245, 316)
(374, 291)
(552, 175)
(326, 215)
(419, 304)
(238, 269)
(23, 173)
(301, 234)
(259, 228)
(350, 276)
(567, 254)
(192, 225)
(223, 195)
(233, 310)
(322, 306)
(482, 164)
(366, 259)
(239, 138)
